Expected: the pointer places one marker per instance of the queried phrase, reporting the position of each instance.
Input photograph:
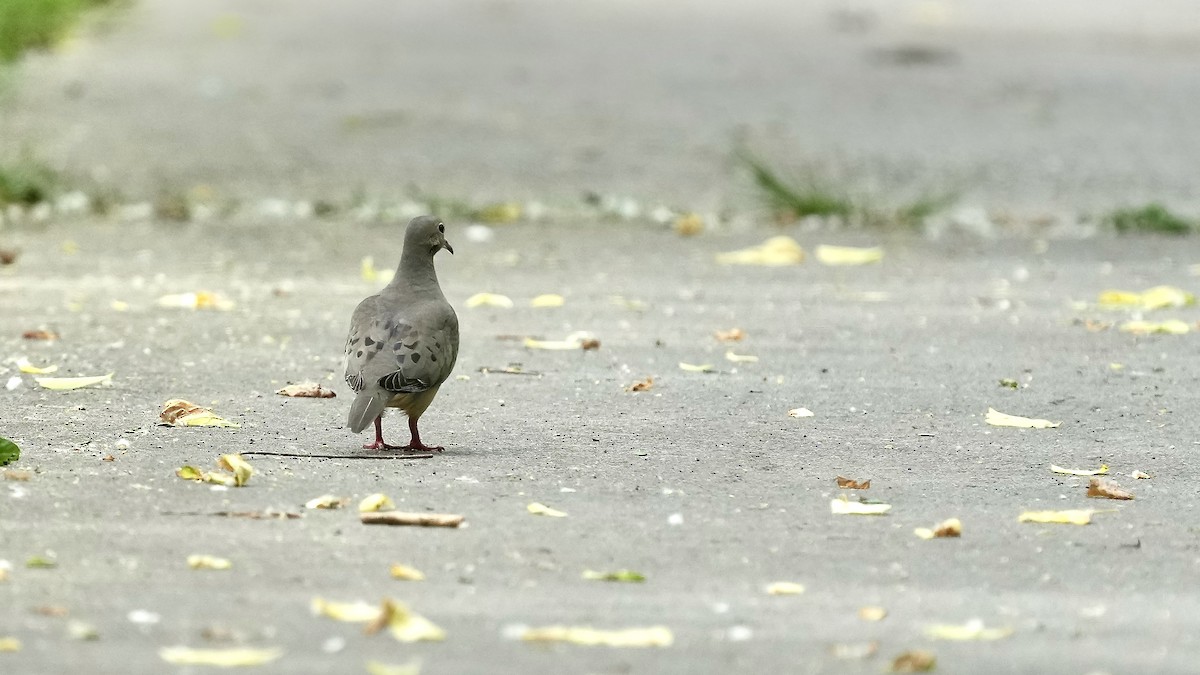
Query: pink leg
(379, 444)
(415, 443)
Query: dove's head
(427, 233)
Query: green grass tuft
(1149, 218)
(27, 181)
(788, 201)
(37, 24)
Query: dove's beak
(446, 245)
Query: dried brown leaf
(641, 385)
(731, 335)
(39, 334)
(1107, 489)
(851, 484)
(306, 390)
(914, 661)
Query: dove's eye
(441, 228)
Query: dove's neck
(416, 273)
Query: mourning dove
(403, 341)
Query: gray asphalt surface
(899, 389)
(898, 361)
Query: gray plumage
(403, 341)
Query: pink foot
(418, 445)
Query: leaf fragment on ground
(489, 300)
(180, 413)
(197, 300)
(350, 612)
(688, 224)
(406, 573)
(1066, 517)
(872, 613)
(1159, 297)
(577, 340)
(404, 624)
(784, 588)
(539, 509)
(971, 630)
(999, 419)
(914, 661)
(695, 368)
(413, 519)
(9, 452)
(69, 383)
(1135, 474)
(9, 644)
(376, 502)
(306, 390)
(1169, 327)
(851, 484)
(38, 562)
(222, 658)
(740, 358)
(39, 334)
(641, 385)
(234, 464)
(951, 527)
(548, 300)
(616, 575)
(326, 502)
(1080, 472)
(1107, 489)
(652, 636)
(801, 412)
(28, 368)
(380, 668)
(845, 507)
(1009, 383)
(731, 335)
(848, 255)
(774, 252)
(208, 562)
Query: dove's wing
(404, 352)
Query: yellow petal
(489, 300)
(872, 613)
(689, 224)
(1112, 298)
(69, 383)
(196, 300)
(1159, 297)
(539, 509)
(351, 612)
(408, 626)
(618, 575)
(208, 562)
(378, 668)
(28, 368)
(181, 413)
(376, 502)
(785, 588)
(503, 212)
(848, 255)
(845, 507)
(999, 419)
(325, 502)
(406, 573)
(9, 644)
(1068, 517)
(1080, 472)
(1170, 327)
(653, 636)
(971, 630)
(548, 300)
(223, 658)
(740, 358)
(694, 368)
(774, 252)
(239, 467)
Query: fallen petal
(999, 419)
(69, 383)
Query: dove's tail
(365, 409)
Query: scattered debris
(801, 412)
(688, 225)
(222, 658)
(847, 255)
(181, 413)
(1159, 297)
(999, 419)
(548, 300)
(539, 509)
(406, 573)
(208, 562)
(415, 519)
(1080, 472)
(694, 368)
(641, 385)
(618, 575)
(577, 340)
(774, 252)
(232, 463)
(306, 390)
(69, 383)
(28, 368)
(1107, 489)
(326, 502)
(851, 484)
(197, 300)
(1067, 517)
(971, 630)
(1140, 475)
(731, 335)
(489, 300)
(376, 502)
(653, 636)
(951, 527)
(740, 358)
(1169, 327)
(845, 507)
(914, 661)
(784, 588)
